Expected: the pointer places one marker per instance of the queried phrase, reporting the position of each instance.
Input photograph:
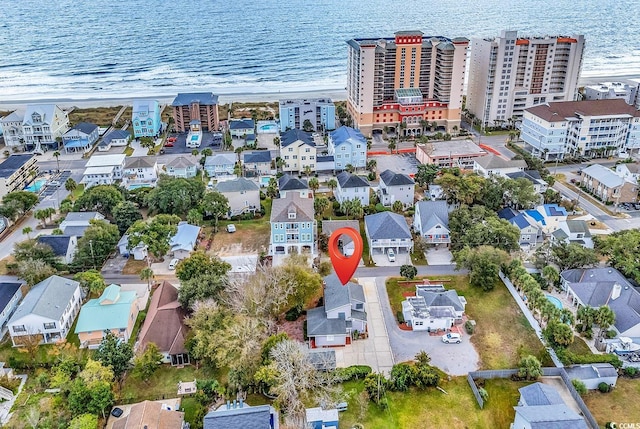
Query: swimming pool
(195, 137)
(555, 301)
(36, 186)
(269, 128)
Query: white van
(173, 263)
(391, 255)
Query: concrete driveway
(439, 256)
(382, 260)
(454, 359)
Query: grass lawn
(579, 347)
(134, 267)
(434, 409)
(101, 116)
(502, 335)
(128, 151)
(616, 406)
(418, 258)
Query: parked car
(231, 228)
(636, 206)
(168, 144)
(116, 412)
(172, 139)
(452, 337)
(53, 183)
(173, 264)
(391, 255)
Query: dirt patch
(249, 238)
(134, 267)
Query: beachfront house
(241, 128)
(181, 167)
(145, 118)
(352, 187)
(243, 195)
(81, 137)
(293, 225)
(48, 311)
(298, 151)
(199, 106)
(43, 126)
(348, 147)
(396, 187)
(114, 138)
(220, 165)
(11, 126)
(140, 172)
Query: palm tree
(392, 144)
(276, 141)
(314, 184)
(332, 184)
(423, 125)
(195, 152)
(147, 274)
(42, 216)
(307, 170)
(605, 317)
(349, 168)
(50, 212)
(26, 231)
(371, 165)
(455, 129)
(70, 185)
(57, 155)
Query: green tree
(551, 196)
(194, 217)
(307, 170)
(98, 241)
(84, 421)
(66, 206)
(101, 198)
(586, 316)
(91, 280)
(215, 205)
(397, 207)
(175, 195)
(320, 204)
(145, 364)
(125, 214)
(307, 126)
(92, 392)
(477, 226)
(16, 204)
(408, 271)
(147, 274)
(622, 248)
(56, 155)
(33, 250)
(573, 255)
(201, 263)
(114, 354)
(521, 193)
(530, 368)
(604, 318)
(484, 264)
(33, 271)
(272, 188)
(392, 144)
(551, 275)
(70, 185)
(155, 233)
(426, 174)
(147, 142)
(314, 184)
(332, 184)
(558, 333)
(352, 208)
(461, 188)
(200, 288)
(26, 231)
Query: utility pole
(93, 258)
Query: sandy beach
(241, 97)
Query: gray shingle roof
(48, 299)
(531, 175)
(204, 98)
(59, 243)
(82, 216)
(140, 162)
(591, 371)
(258, 417)
(448, 298)
(303, 207)
(237, 185)
(295, 135)
(391, 178)
(348, 180)
(85, 127)
(552, 417)
(116, 134)
(256, 156)
(387, 225)
(181, 162)
(318, 324)
(539, 394)
(241, 124)
(291, 183)
(78, 231)
(491, 162)
(433, 213)
(336, 295)
(579, 226)
(223, 158)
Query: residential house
(595, 287)
(16, 172)
(494, 165)
(593, 374)
(49, 310)
(433, 308)
(42, 126)
(431, 221)
(11, 126)
(164, 326)
(530, 230)
(139, 251)
(541, 406)
(449, 154)
(114, 311)
(64, 246)
(162, 414)
(81, 137)
(114, 138)
(10, 296)
(548, 216)
(387, 230)
(288, 184)
(318, 418)
(221, 164)
(348, 147)
(319, 112)
(257, 163)
(293, 225)
(345, 243)
(201, 106)
(629, 171)
(184, 241)
(181, 167)
(298, 151)
(75, 223)
(352, 187)
(243, 195)
(242, 128)
(140, 172)
(342, 315)
(325, 163)
(239, 415)
(396, 187)
(533, 176)
(608, 186)
(103, 170)
(145, 118)
(574, 231)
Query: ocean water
(129, 48)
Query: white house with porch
(103, 170)
(431, 221)
(387, 230)
(433, 308)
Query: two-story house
(431, 221)
(114, 138)
(114, 311)
(387, 230)
(10, 296)
(352, 187)
(103, 170)
(396, 187)
(11, 126)
(433, 308)
(43, 125)
(533, 176)
(548, 216)
(573, 231)
(243, 195)
(145, 118)
(493, 165)
(221, 164)
(530, 230)
(608, 186)
(629, 171)
(63, 246)
(16, 171)
(298, 151)
(348, 147)
(181, 167)
(288, 184)
(293, 225)
(342, 315)
(48, 311)
(75, 223)
(257, 163)
(241, 128)
(81, 137)
(140, 172)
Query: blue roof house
(239, 415)
(115, 311)
(242, 128)
(553, 214)
(387, 230)
(184, 241)
(81, 137)
(317, 418)
(348, 146)
(64, 246)
(146, 118)
(10, 295)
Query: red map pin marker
(345, 266)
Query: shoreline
(336, 94)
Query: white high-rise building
(509, 74)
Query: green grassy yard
(616, 406)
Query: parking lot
(401, 163)
(56, 182)
(209, 140)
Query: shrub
(604, 387)
(580, 386)
(483, 394)
(611, 334)
(400, 317)
(10, 383)
(353, 372)
(630, 371)
(469, 327)
(376, 386)
(402, 376)
(588, 334)
(569, 358)
(293, 313)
